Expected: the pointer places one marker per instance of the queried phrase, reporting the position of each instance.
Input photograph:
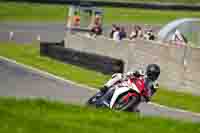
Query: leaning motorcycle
(123, 96)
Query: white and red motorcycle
(123, 96)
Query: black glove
(104, 89)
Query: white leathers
(115, 78)
(120, 77)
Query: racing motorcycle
(123, 96)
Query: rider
(151, 75)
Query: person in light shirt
(116, 36)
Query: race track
(17, 80)
(20, 82)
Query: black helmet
(153, 71)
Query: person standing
(116, 36)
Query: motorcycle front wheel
(126, 103)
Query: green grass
(161, 1)
(179, 100)
(29, 54)
(32, 12)
(149, 1)
(31, 116)
(120, 15)
(12, 11)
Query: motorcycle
(123, 96)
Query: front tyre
(127, 103)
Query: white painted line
(85, 86)
(48, 74)
(174, 109)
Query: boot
(104, 89)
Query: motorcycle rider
(150, 76)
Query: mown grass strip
(145, 1)
(30, 116)
(140, 16)
(153, 1)
(12, 11)
(179, 100)
(29, 55)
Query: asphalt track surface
(19, 81)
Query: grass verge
(146, 1)
(12, 11)
(29, 55)
(159, 1)
(30, 116)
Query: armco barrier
(96, 62)
(179, 66)
(100, 46)
(44, 47)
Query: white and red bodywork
(132, 87)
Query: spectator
(97, 20)
(113, 30)
(140, 32)
(96, 30)
(136, 33)
(76, 20)
(149, 35)
(116, 36)
(122, 33)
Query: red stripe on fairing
(130, 94)
(139, 83)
